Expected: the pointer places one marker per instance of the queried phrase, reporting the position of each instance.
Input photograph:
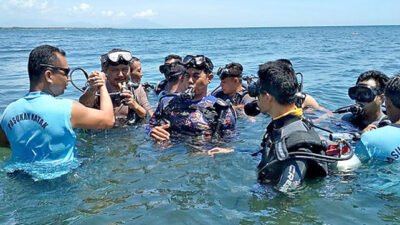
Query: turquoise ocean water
(125, 178)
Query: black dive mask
(255, 89)
(197, 62)
(117, 58)
(251, 108)
(172, 69)
(363, 93)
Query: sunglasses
(65, 70)
(116, 58)
(363, 93)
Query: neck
(172, 87)
(201, 95)
(237, 90)
(38, 87)
(278, 109)
(370, 117)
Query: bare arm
(103, 118)
(96, 80)
(3, 139)
(131, 103)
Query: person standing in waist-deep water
(199, 114)
(116, 65)
(287, 132)
(39, 126)
(369, 95)
(139, 92)
(384, 143)
(231, 85)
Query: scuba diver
(193, 112)
(288, 132)
(384, 143)
(139, 92)
(115, 64)
(231, 86)
(173, 76)
(40, 127)
(367, 113)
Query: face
(117, 74)
(198, 80)
(59, 80)
(136, 71)
(376, 103)
(391, 111)
(263, 104)
(229, 85)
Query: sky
(197, 14)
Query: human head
(277, 79)
(375, 80)
(44, 54)
(231, 78)
(136, 70)
(392, 93)
(199, 69)
(116, 66)
(48, 63)
(173, 69)
(172, 58)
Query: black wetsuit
(356, 120)
(276, 166)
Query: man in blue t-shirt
(39, 127)
(384, 143)
(202, 114)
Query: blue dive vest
(42, 140)
(381, 144)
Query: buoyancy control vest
(290, 134)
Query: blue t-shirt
(380, 144)
(39, 130)
(189, 117)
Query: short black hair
(380, 78)
(235, 69)
(44, 54)
(279, 79)
(172, 56)
(392, 90)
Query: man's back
(381, 144)
(39, 130)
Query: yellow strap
(297, 112)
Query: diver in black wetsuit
(288, 131)
(369, 97)
(231, 86)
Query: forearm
(88, 98)
(139, 110)
(105, 102)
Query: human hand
(96, 80)
(128, 99)
(159, 133)
(369, 128)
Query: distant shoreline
(121, 28)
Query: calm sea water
(127, 178)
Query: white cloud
(81, 7)
(121, 14)
(145, 13)
(31, 4)
(107, 13)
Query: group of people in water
(39, 127)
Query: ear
(210, 77)
(236, 80)
(47, 76)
